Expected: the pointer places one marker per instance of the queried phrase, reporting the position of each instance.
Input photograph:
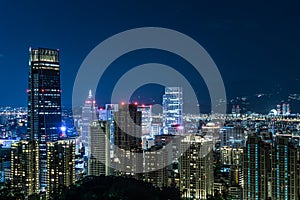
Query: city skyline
(178, 100)
(242, 40)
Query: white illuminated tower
(146, 118)
(172, 110)
(89, 114)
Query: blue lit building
(285, 168)
(44, 104)
(256, 168)
(172, 110)
(44, 95)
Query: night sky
(255, 44)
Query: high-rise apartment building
(256, 168)
(172, 110)
(196, 167)
(285, 168)
(156, 169)
(25, 166)
(60, 165)
(233, 158)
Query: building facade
(256, 168)
(196, 168)
(128, 154)
(25, 166)
(60, 165)
(146, 118)
(99, 148)
(89, 114)
(172, 110)
(44, 95)
(285, 168)
(156, 166)
(44, 103)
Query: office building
(44, 95)
(43, 163)
(172, 110)
(99, 148)
(128, 154)
(44, 103)
(146, 118)
(127, 127)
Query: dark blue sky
(255, 45)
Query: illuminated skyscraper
(43, 163)
(89, 114)
(44, 103)
(172, 110)
(44, 95)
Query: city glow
(63, 128)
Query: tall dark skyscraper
(127, 141)
(44, 95)
(128, 127)
(44, 104)
(42, 163)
